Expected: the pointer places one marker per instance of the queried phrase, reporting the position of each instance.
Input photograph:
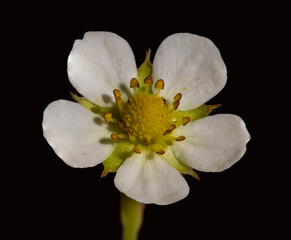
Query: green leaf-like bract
(196, 113)
(144, 70)
(122, 150)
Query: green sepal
(144, 70)
(196, 113)
(121, 151)
(171, 159)
(93, 107)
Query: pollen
(146, 117)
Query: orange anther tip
(170, 129)
(114, 137)
(185, 120)
(134, 83)
(116, 93)
(176, 104)
(178, 97)
(148, 80)
(107, 117)
(120, 124)
(160, 84)
(161, 152)
(180, 138)
(137, 150)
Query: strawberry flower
(149, 124)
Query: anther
(134, 83)
(160, 84)
(115, 137)
(170, 129)
(120, 125)
(107, 117)
(147, 142)
(116, 93)
(137, 150)
(176, 104)
(185, 120)
(178, 97)
(148, 80)
(180, 138)
(161, 152)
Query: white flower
(140, 133)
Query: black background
(50, 199)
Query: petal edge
(150, 180)
(213, 143)
(76, 134)
(100, 63)
(191, 65)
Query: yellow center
(145, 120)
(146, 116)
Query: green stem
(131, 214)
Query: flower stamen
(134, 84)
(137, 150)
(178, 97)
(160, 151)
(173, 106)
(108, 118)
(121, 125)
(115, 137)
(180, 138)
(118, 99)
(149, 82)
(176, 104)
(116, 93)
(159, 86)
(185, 120)
(170, 129)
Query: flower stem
(131, 215)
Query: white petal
(100, 63)
(150, 179)
(191, 65)
(77, 135)
(213, 143)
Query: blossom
(149, 125)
